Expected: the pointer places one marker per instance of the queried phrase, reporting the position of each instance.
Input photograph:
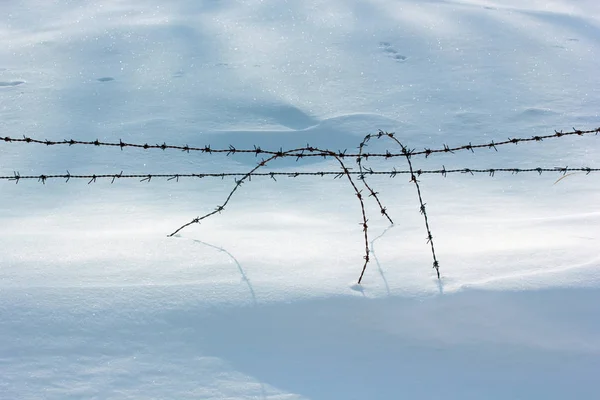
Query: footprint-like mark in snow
(105, 79)
(391, 52)
(11, 83)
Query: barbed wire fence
(307, 151)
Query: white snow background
(260, 302)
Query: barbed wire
(413, 179)
(263, 163)
(42, 178)
(307, 151)
(362, 177)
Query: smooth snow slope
(260, 301)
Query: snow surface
(261, 302)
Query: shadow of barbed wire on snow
(243, 275)
(381, 273)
